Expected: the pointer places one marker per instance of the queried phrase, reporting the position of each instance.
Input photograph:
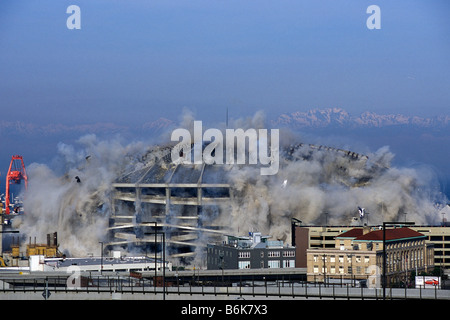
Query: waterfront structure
(249, 252)
(358, 254)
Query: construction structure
(18, 255)
(49, 249)
(180, 201)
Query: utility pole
(101, 258)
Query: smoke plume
(314, 184)
(72, 195)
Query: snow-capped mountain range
(314, 118)
(338, 117)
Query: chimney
(366, 229)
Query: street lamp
(222, 263)
(324, 269)
(163, 234)
(101, 259)
(384, 250)
(156, 245)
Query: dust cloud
(314, 184)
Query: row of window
(270, 254)
(341, 270)
(341, 259)
(270, 264)
(246, 254)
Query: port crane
(15, 175)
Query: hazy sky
(134, 61)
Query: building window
(244, 264)
(288, 263)
(289, 253)
(244, 254)
(274, 254)
(274, 263)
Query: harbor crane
(15, 175)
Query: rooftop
(253, 240)
(352, 233)
(357, 234)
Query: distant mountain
(157, 125)
(315, 118)
(337, 117)
(26, 128)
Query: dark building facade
(252, 252)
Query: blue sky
(135, 61)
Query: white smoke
(76, 203)
(319, 184)
(329, 187)
(313, 185)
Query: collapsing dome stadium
(193, 204)
(181, 201)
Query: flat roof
(89, 261)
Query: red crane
(16, 174)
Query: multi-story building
(358, 254)
(306, 237)
(252, 252)
(439, 236)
